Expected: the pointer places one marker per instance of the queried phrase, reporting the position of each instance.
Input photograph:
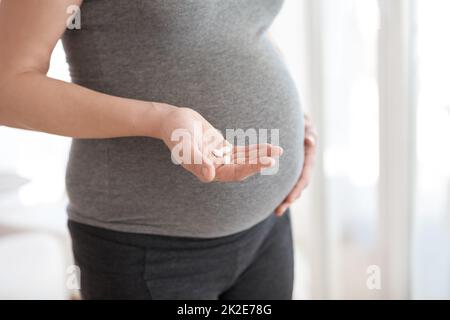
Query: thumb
(205, 171)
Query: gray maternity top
(210, 55)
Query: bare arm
(29, 30)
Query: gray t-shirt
(210, 55)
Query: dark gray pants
(253, 264)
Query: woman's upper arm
(29, 31)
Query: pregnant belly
(132, 181)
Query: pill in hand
(218, 153)
(223, 153)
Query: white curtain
(375, 74)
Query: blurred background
(375, 221)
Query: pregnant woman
(143, 227)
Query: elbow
(7, 81)
(2, 98)
(12, 84)
(11, 81)
(4, 80)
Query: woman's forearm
(30, 100)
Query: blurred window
(431, 251)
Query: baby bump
(135, 182)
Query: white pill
(226, 149)
(227, 159)
(218, 153)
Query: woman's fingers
(282, 208)
(240, 172)
(251, 154)
(227, 163)
(201, 166)
(310, 146)
(264, 149)
(310, 151)
(295, 193)
(303, 182)
(208, 171)
(244, 154)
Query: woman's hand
(203, 151)
(310, 144)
